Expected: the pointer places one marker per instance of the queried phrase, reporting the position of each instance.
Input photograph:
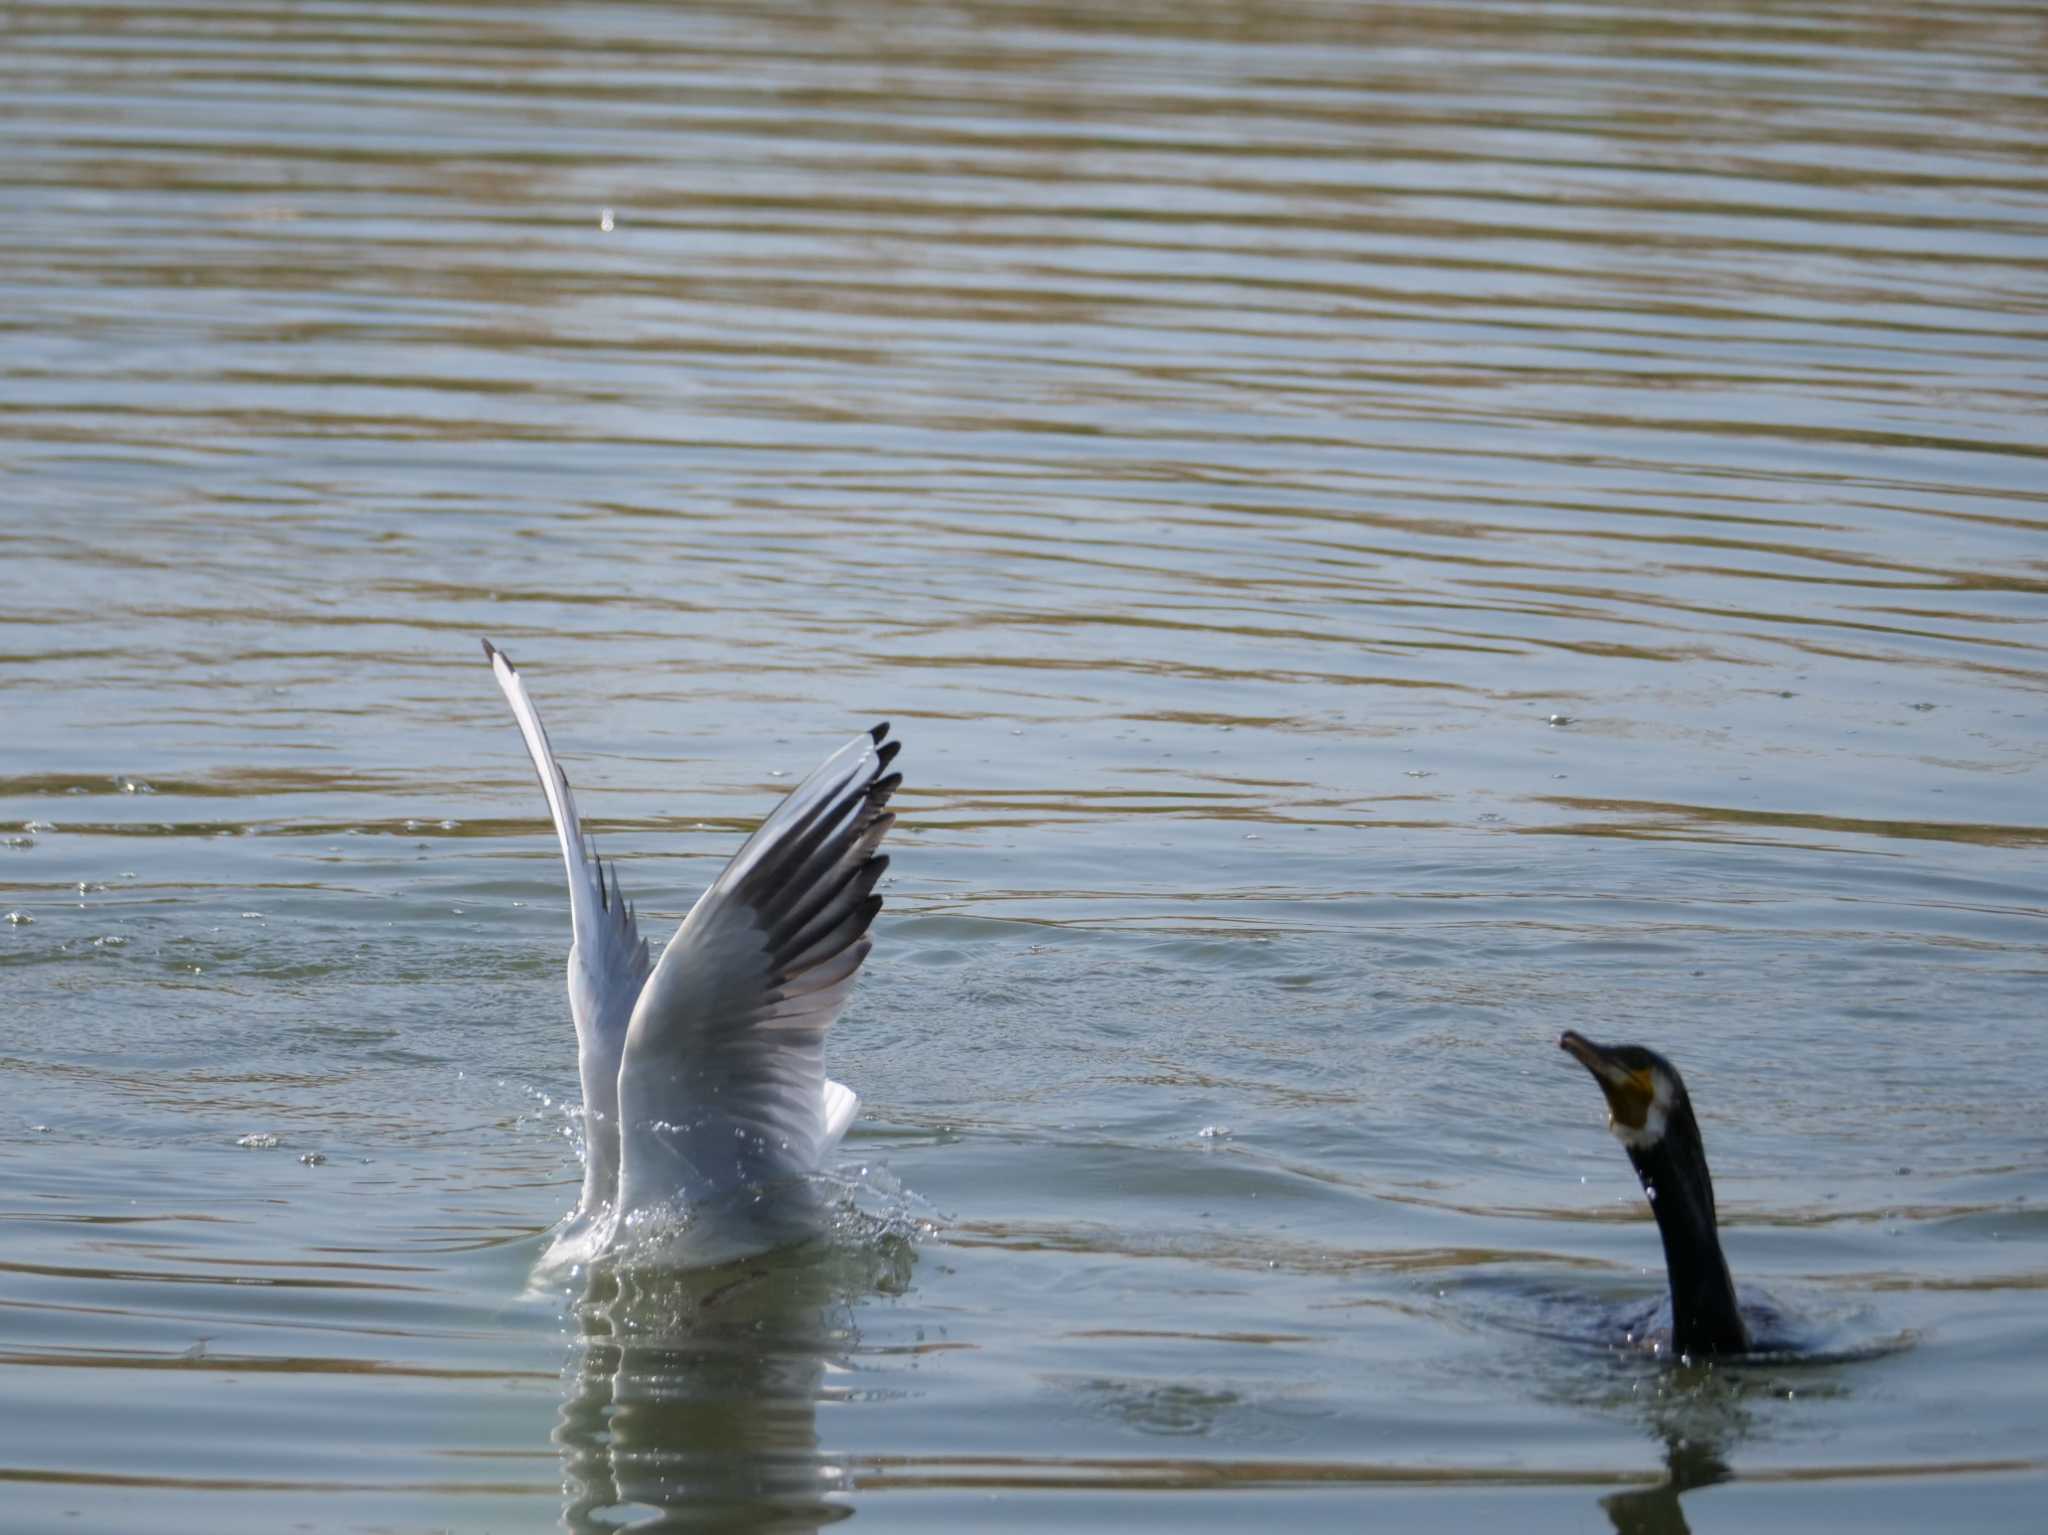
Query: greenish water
(1221, 439)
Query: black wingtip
(880, 733)
(880, 790)
(888, 753)
(492, 652)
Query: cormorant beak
(1592, 1057)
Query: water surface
(1388, 532)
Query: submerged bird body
(1651, 1115)
(703, 1072)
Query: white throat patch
(1658, 1115)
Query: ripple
(1389, 533)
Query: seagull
(705, 1101)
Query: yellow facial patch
(1629, 1098)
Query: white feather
(841, 1104)
(608, 964)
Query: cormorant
(1651, 1116)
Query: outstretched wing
(723, 1080)
(608, 963)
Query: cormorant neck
(1704, 1318)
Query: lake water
(1387, 532)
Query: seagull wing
(723, 1081)
(608, 961)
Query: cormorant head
(1644, 1091)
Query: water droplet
(258, 1140)
(313, 1158)
(19, 919)
(604, 220)
(1558, 721)
(1214, 1132)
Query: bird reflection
(694, 1403)
(1688, 1463)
